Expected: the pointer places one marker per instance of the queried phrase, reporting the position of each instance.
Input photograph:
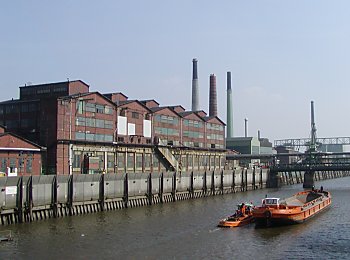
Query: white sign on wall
(122, 130)
(11, 190)
(131, 129)
(147, 128)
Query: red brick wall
(15, 156)
(76, 87)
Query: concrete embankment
(31, 198)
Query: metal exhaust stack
(213, 110)
(229, 112)
(195, 91)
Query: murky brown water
(187, 230)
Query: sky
(282, 55)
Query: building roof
(116, 93)
(148, 100)
(17, 101)
(24, 140)
(79, 95)
(156, 109)
(187, 113)
(55, 83)
(123, 103)
(208, 118)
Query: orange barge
(296, 209)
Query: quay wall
(31, 198)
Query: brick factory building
(89, 132)
(19, 156)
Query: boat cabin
(271, 202)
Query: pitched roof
(208, 118)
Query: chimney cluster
(213, 110)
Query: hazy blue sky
(282, 55)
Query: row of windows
(93, 137)
(83, 106)
(193, 123)
(192, 134)
(95, 161)
(42, 90)
(17, 163)
(166, 131)
(215, 127)
(92, 122)
(15, 108)
(166, 119)
(193, 144)
(215, 137)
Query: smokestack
(195, 91)
(258, 134)
(213, 110)
(229, 127)
(245, 127)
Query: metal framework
(306, 141)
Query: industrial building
(19, 156)
(89, 132)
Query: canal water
(187, 230)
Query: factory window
(139, 161)
(80, 106)
(29, 164)
(90, 122)
(100, 123)
(108, 110)
(155, 163)
(164, 119)
(43, 91)
(100, 109)
(109, 124)
(108, 138)
(89, 107)
(80, 121)
(20, 163)
(12, 162)
(101, 159)
(121, 161)
(79, 136)
(217, 162)
(131, 160)
(157, 118)
(89, 137)
(60, 89)
(3, 165)
(189, 160)
(135, 115)
(76, 160)
(175, 121)
(99, 137)
(110, 161)
(123, 112)
(147, 160)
